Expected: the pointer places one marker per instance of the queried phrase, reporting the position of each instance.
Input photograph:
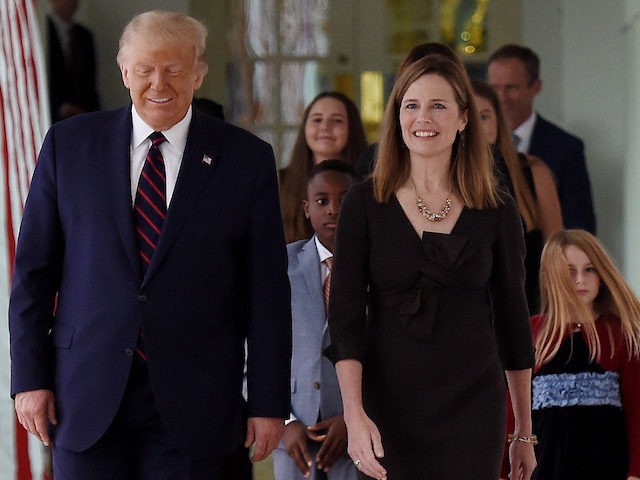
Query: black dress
(446, 315)
(583, 441)
(533, 240)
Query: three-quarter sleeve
(508, 300)
(629, 371)
(350, 278)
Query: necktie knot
(157, 138)
(329, 263)
(516, 140)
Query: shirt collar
(525, 129)
(60, 24)
(323, 252)
(176, 135)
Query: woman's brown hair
(525, 199)
(471, 160)
(293, 176)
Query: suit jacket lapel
(538, 138)
(310, 266)
(115, 158)
(194, 173)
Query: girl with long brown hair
(331, 128)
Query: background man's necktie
(150, 205)
(516, 140)
(326, 285)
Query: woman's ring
(356, 463)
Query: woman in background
(531, 183)
(331, 128)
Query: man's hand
(295, 443)
(35, 410)
(264, 433)
(333, 435)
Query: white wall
(631, 117)
(584, 60)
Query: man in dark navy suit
(150, 249)
(514, 72)
(71, 62)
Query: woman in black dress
(427, 308)
(531, 183)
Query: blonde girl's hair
(562, 307)
(525, 199)
(471, 161)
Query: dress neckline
(416, 234)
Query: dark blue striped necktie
(150, 205)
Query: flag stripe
(24, 116)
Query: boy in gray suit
(314, 445)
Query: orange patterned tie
(326, 285)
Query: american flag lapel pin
(206, 159)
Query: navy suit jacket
(72, 81)
(564, 153)
(218, 276)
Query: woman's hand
(365, 445)
(522, 459)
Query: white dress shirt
(524, 133)
(172, 150)
(323, 253)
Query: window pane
(371, 96)
(300, 82)
(269, 136)
(261, 39)
(239, 80)
(264, 101)
(288, 139)
(303, 28)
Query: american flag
(24, 118)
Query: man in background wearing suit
(514, 72)
(71, 62)
(151, 248)
(315, 439)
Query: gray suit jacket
(315, 392)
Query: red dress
(587, 413)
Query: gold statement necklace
(428, 214)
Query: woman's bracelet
(532, 439)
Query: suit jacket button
(142, 298)
(128, 352)
(316, 385)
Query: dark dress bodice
(434, 320)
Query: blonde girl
(586, 385)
